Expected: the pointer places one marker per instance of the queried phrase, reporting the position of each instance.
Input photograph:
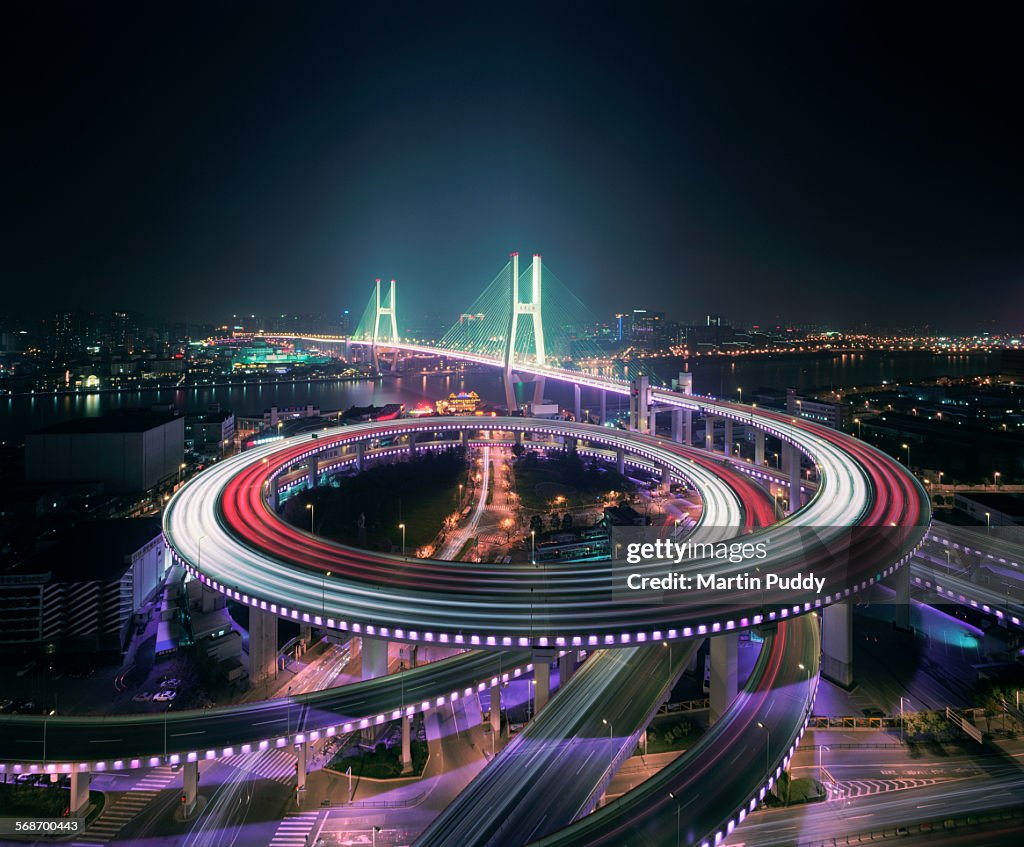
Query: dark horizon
(829, 166)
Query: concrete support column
(724, 670)
(901, 582)
(652, 420)
(604, 408)
(463, 437)
(406, 744)
(79, 801)
(687, 427)
(360, 455)
(305, 633)
(275, 496)
(190, 788)
(709, 433)
(314, 465)
(302, 751)
(542, 678)
(837, 644)
(794, 478)
(620, 461)
(759, 448)
(519, 437)
(412, 444)
(374, 657)
(538, 390)
(262, 645)
(496, 708)
(570, 445)
(677, 426)
(577, 402)
(566, 667)
(666, 480)
(728, 438)
(510, 392)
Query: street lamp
(666, 644)
(312, 518)
(903, 731)
(323, 596)
(533, 546)
(907, 448)
(460, 495)
(376, 829)
(401, 526)
(988, 521)
(740, 390)
(611, 749)
(857, 421)
(995, 477)
(767, 749)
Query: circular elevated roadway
(222, 529)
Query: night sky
(809, 162)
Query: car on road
(164, 696)
(169, 682)
(142, 697)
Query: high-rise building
(647, 328)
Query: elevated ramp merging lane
(555, 770)
(712, 787)
(134, 741)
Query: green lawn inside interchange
(539, 481)
(419, 493)
(381, 762)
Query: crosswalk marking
(114, 817)
(278, 764)
(294, 830)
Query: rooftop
(92, 550)
(1008, 504)
(129, 420)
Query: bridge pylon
(531, 310)
(384, 311)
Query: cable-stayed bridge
(526, 322)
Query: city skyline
(690, 162)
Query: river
(713, 375)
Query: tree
(537, 524)
(556, 521)
(518, 450)
(566, 521)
